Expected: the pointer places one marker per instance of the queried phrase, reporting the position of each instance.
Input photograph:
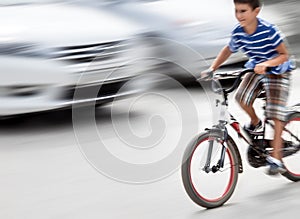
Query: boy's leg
(247, 92)
(251, 113)
(277, 140)
(277, 90)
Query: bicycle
(214, 153)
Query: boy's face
(245, 14)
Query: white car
(50, 51)
(191, 32)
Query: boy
(264, 46)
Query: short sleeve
(233, 44)
(275, 36)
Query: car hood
(62, 25)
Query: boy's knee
(241, 102)
(238, 99)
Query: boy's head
(253, 3)
(246, 11)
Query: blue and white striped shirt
(259, 46)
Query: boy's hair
(253, 3)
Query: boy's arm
(281, 58)
(221, 58)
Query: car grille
(94, 57)
(97, 90)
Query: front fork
(223, 139)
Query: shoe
(254, 129)
(275, 166)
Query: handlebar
(222, 75)
(237, 80)
(240, 75)
(236, 74)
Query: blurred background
(49, 49)
(80, 76)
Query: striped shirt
(259, 46)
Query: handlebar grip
(269, 69)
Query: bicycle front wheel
(291, 153)
(209, 189)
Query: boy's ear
(257, 10)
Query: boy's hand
(260, 68)
(207, 74)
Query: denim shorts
(277, 92)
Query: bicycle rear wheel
(210, 189)
(291, 150)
